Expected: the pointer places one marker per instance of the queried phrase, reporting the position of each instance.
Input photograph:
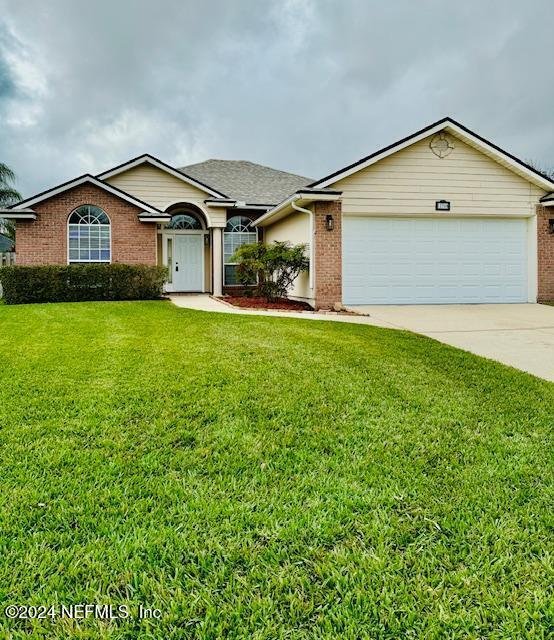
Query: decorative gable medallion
(441, 145)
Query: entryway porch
(197, 253)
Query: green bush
(80, 282)
(274, 266)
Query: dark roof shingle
(246, 181)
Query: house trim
(457, 129)
(547, 200)
(301, 197)
(23, 214)
(222, 203)
(159, 164)
(45, 195)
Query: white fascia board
(384, 154)
(163, 167)
(323, 197)
(253, 207)
(235, 204)
(149, 217)
(280, 208)
(460, 132)
(285, 208)
(547, 203)
(220, 203)
(500, 156)
(21, 214)
(45, 195)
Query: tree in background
(546, 171)
(8, 195)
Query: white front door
(188, 262)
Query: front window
(184, 221)
(89, 235)
(238, 231)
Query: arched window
(184, 221)
(238, 224)
(239, 231)
(89, 235)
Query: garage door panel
(429, 260)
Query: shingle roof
(246, 181)
(5, 244)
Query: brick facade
(545, 254)
(44, 241)
(328, 255)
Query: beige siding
(295, 228)
(413, 179)
(161, 189)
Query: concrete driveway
(520, 335)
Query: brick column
(328, 255)
(545, 254)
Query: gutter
(547, 200)
(20, 214)
(311, 245)
(304, 195)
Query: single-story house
(442, 216)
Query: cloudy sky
(302, 85)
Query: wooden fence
(7, 258)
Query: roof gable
(457, 130)
(86, 178)
(155, 162)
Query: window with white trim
(238, 231)
(184, 221)
(89, 235)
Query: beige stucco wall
(411, 180)
(295, 229)
(161, 189)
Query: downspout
(311, 219)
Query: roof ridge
(250, 162)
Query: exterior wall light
(442, 205)
(329, 222)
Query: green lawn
(268, 478)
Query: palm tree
(8, 195)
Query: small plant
(273, 266)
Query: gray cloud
(302, 85)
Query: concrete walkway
(204, 302)
(519, 335)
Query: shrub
(80, 282)
(275, 266)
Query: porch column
(217, 248)
(328, 255)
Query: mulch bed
(261, 303)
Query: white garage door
(434, 261)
